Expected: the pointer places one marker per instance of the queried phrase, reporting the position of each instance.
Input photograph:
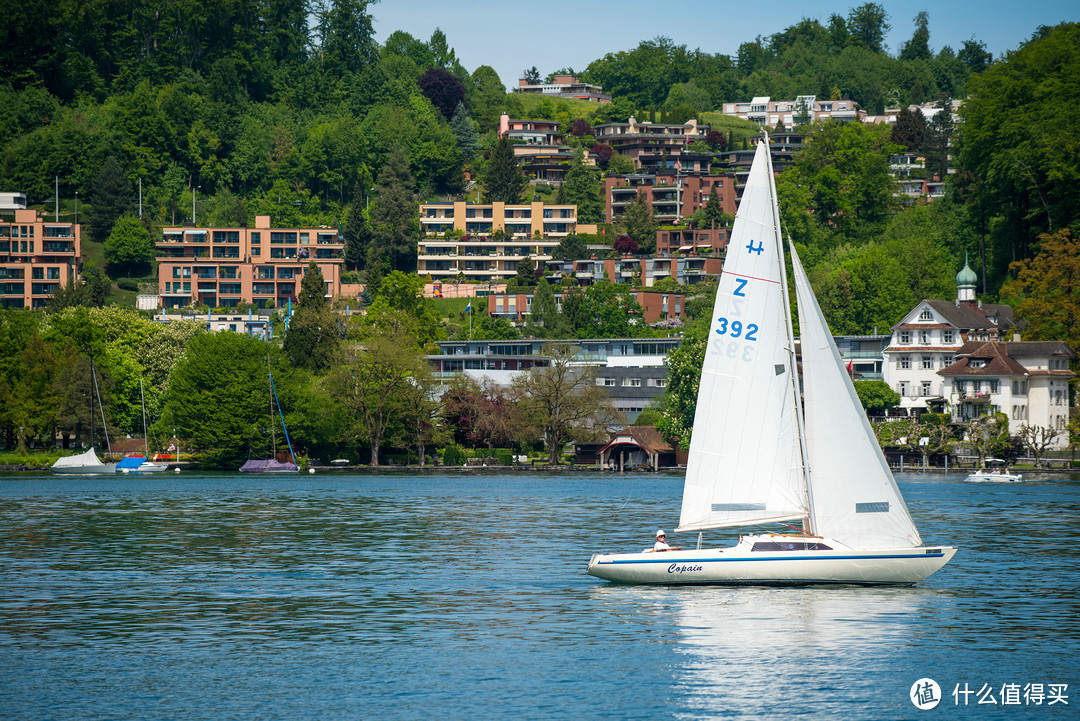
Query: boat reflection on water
(764, 651)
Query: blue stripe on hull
(669, 561)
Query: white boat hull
(88, 470)
(740, 565)
(987, 476)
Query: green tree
(562, 399)
(219, 397)
(129, 244)
(373, 380)
(393, 217)
(464, 132)
(937, 139)
(29, 393)
(111, 198)
(503, 180)
(571, 247)
(582, 187)
(544, 311)
(400, 298)
(357, 232)
(909, 130)
(876, 396)
(312, 336)
(639, 223)
(1017, 143)
(918, 48)
(1046, 290)
(346, 36)
(684, 373)
(840, 183)
(526, 272)
(620, 165)
(867, 25)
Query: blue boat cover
(131, 462)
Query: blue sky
(553, 34)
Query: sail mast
(796, 392)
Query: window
(926, 315)
(902, 388)
(924, 337)
(925, 388)
(947, 336)
(905, 362)
(256, 237)
(631, 382)
(995, 385)
(605, 381)
(905, 337)
(927, 363)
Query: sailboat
(759, 456)
(87, 462)
(141, 464)
(272, 464)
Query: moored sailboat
(87, 462)
(760, 456)
(272, 464)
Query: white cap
(660, 533)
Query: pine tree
(640, 224)
(313, 336)
(582, 187)
(357, 232)
(526, 272)
(110, 198)
(463, 129)
(504, 180)
(394, 224)
(312, 288)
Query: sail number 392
(735, 329)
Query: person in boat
(661, 543)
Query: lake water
(464, 596)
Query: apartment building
(766, 111)
(36, 255)
(1027, 381)
(693, 241)
(655, 306)
(632, 370)
(539, 150)
(564, 86)
(643, 271)
(486, 242)
(226, 267)
(634, 139)
(672, 198)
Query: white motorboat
(758, 456)
(994, 475)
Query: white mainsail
(745, 464)
(854, 497)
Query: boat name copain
(676, 568)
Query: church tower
(966, 280)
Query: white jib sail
(854, 497)
(745, 465)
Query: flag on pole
(468, 307)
